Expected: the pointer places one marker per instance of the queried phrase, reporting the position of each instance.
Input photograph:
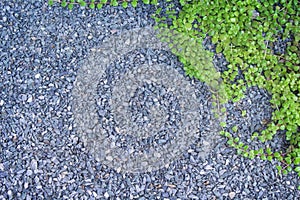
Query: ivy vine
(245, 32)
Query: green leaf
(92, 6)
(263, 157)
(134, 3)
(234, 129)
(233, 20)
(154, 2)
(227, 134)
(64, 3)
(223, 124)
(254, 135)
(244, 112)
(188, 26)
(82, 3)
(50, 2)
(223, 110)
(279, 168)
(215, 39)
(240, 145)
(236, 140)
(297, 161)
(288, 160)
(222, 133)
(70, 6)
(114, 3)
(251, 154)
(230, 142)
(262, 138)
(239, 151)
(99, 5)
(276, 155)
(219, 49)
(269, 151)
(269, 158)
(124, 4)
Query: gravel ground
(42, 154)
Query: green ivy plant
(92, 4)
(245, 32)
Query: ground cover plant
(246, 33)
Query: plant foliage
(92, 4)
(245, 32)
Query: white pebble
(106, 195)
(29, 100)
(37, 76)
(1, 102)
(109, 158)
(39, 187)
(231, 195)
(34, 164)
(1, 167)
(208, 167)
(95, 194)
(9, 193)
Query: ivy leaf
(92, 5)
(239, 151)
(64, 3)
(234, 129)
(114, 3)
(297, 161)
(219, 48)
(270, 158)
(244, 112)
(263, 157)
(223, 124)
(215, 38)
(188, 26)
(134, 3)
(279, 168)
(99, 5)
(70, 6)
(124, 4)
(230, 142)
(50, 2)
(82, 3)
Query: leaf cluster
(92, 4)
(246, 32)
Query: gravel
(43, 154)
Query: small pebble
(231, 195)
